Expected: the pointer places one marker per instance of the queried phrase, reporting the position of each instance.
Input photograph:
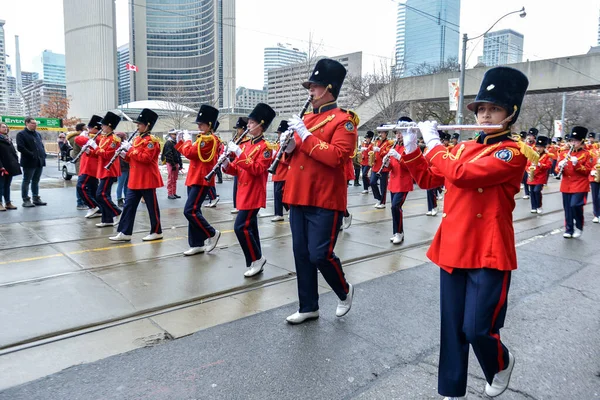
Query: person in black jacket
(33, 161)
(172, 159)
(9, 167)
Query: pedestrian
(379, 181)
(103, 151)
(365, 148)
(240, 127)
(203, 155)
(64, 147)
(75, 149)
(124, 178)
(9, 167)
(316, 190)
(594, 177)
(279, 177)
(172, 159)
(357, 166)
(144, 177)
(251, 162)
(87, 181)
(33, 161)
(576, 165)
(482, 178)
(537, 174)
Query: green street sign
(19, 122)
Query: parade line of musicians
(317, 152)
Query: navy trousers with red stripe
(573, 204)
(383, 180)
(104, 199)
(246, 230)
(132, 200)
(432, 198)
(398, 200)
(596, 198)
(87, 187)
(473, 307)
(314, 234)
(278, 197)
(198, 227)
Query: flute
(441, 127)
(290, 136)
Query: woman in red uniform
(539, 172)
(475, 245)
(251, 164)
(87, 183)
(366, 146)
(381, 148)
(279, 178)
(144, 178)
(203, 154)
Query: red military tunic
(143, 163)
(349, 168)
(282, 167)
(364, 155)
(316, 175)
(384, 147)
(540, 175)
(575, 177)
(481, 182)
(88, 165)
(400, 178)
(107, 145)
(251, 169)
(203, 155)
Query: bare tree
(177, 104)
(435, 110)
(450, 65)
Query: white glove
(186, 135)
(574, 160)
(125, 146)
(562, 163)
(123, 154)
(594, 172)
(92, 143)
(225, 164)
(395, 154)
(88, 151)
(298, 125)
(409, 137)
(234, 148)
(363, 148)
(292, 143)
(179, 136)
(376, 149)
(430, 134)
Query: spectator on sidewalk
(75, 149)
(172, 159)
(33, 161)
(9, 167)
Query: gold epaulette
(117, 139)
(72, 134)
(154, 139)
(527, 151)
(271, 146)
(352, 116)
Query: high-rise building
(37, 93)
(280, 56)
(28, 78)
(426, 32)
(184, 51)
(91, 56)
(246, 99)
(598, 29)
(123, 75)
(3, 71)
(286, 94)
(502, 47)
(51, 67)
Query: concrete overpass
(565, 74)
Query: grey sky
(341, 26)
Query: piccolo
(118, 152)
(442, 127)
(290, 136)
(224, 156)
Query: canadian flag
(131, 67)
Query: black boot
(37, 200)
(120, 202)
(27, 202)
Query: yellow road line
(32, 258)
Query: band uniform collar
(493, 138)
(258, 138)
(326, 107)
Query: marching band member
(87, 183)
(381, 148)
(594, 178)
(530, 138)
(213, 197)
(401, 182)
(482, 177)
(144, 178)
(316, 189)
(537, 174)
(364, 160)
(251, 164)
(202, 154)
(240, 127)
(576, 164)
(103, 151)
(454, 139)
(279, 177)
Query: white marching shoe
(345, 305)
(92, 212)
(116, 220)
(347, 222)
(213, 203)
(595, 220)
(104, 224)
(298, 317)
(234, 211)
(152, 236)
(212, 242)
(540, 210)
(455, 398)
(256, 267)
(533, 211)
(380, 206)
(577, 233)
(120, 237)
(525, 197)
(365, 192)
(567, 235)
(194, 250)
(377, 204)
(398, 238)
(277, 218)
(501, 379)
(434, 212)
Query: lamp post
(463, 67)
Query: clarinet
(118, 152)
(224, 156)
(83, 150)
(560, 171)
(386, 158)
(290, 136)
